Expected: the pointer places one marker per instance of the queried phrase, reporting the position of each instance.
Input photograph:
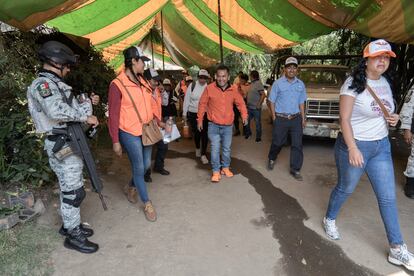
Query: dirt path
(252, 224)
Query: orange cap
(378, 47)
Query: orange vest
(183, 86)
(142, 97)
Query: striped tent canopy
(190, 27)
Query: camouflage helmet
(57, 52)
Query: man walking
(287, 103)
(255, 98)
(217, 100)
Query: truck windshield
(326, 77)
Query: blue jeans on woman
(220, 137)
(379, 168)
(140, 158)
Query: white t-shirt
(192, 98)
(367, 120)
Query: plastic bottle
(168, 127)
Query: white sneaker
(401, 256)
(204, 160)
(198, 152)
(330, 229)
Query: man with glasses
(287, 103)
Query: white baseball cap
(378, 47)
(203, 72)
(166, 82)
(291, 60)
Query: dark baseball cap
(135, 52)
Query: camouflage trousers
(409, 171)
(69, 172)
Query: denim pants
(255, 114)
(220, 138)
(281, 128)
(379, 168)
(140, 158)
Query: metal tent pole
(152, 49)
(220, 35)
(162, 43)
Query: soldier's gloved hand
(117, 148)
(408, 136)
(95, 99)
(92, 120)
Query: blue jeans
(255, 114)
(140, 158)
(220, 136)
(379, 168)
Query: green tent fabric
(190, 27)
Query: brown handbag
(151, 133)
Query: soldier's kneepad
(74, 197)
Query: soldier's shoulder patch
(44, 89)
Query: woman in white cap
(190, 109)
(366, 111)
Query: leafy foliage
(22, 159)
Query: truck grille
(322, 109)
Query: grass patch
(26, 249)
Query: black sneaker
(258, 140)
(87, 232)
(247, 137)
(296, 175)
(271, 164)
(409, 188)
(162, 171)
(76, 240)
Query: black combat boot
(409, 187)
(76, 240)
(87, 232)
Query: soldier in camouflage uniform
(49, 110)
(406, 117)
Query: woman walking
(131, 106)
(190, 109)
(366, 110)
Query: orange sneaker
(226, 172)
(215, 177)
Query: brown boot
(149, 212)
(131, 193)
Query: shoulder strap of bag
(381, 105)
(132, 100)
(193, 86)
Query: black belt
(288, 116)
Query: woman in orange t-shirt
(129, 90)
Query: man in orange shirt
(217, 100)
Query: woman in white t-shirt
(190, 109)
(363, 146)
